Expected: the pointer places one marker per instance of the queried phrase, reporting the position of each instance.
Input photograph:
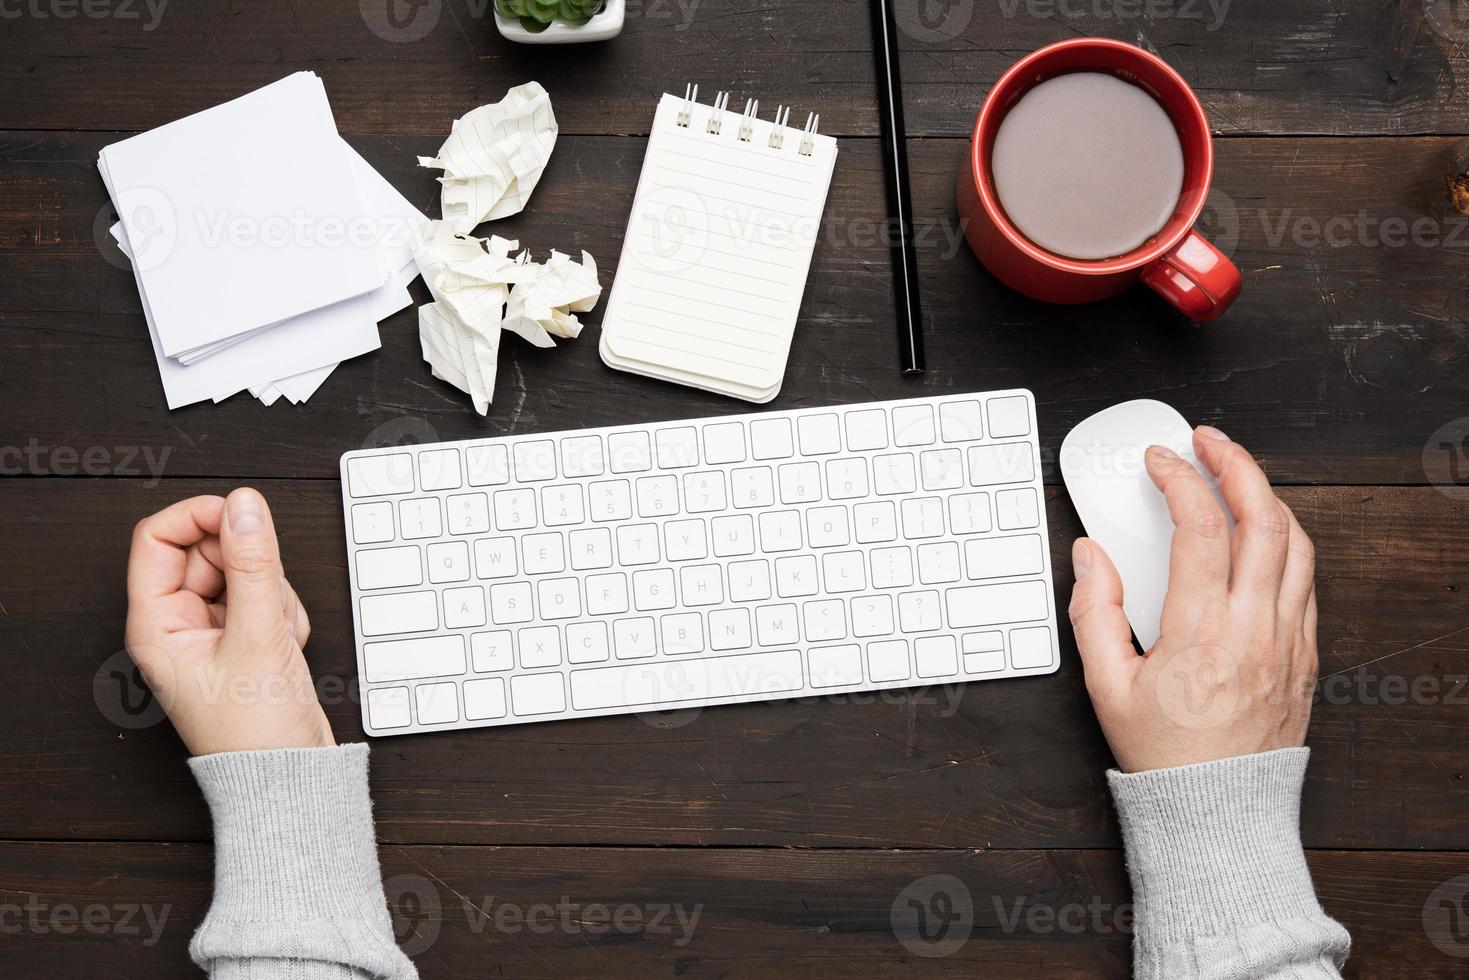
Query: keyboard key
(821, 435)
(438, 704)
(683, 633)
(1009, 416)
(1016, 509)
(535, 460)
(635, 639)
(887, 660)
(872, 615)
(403, 612)
(701, 585)
(1002, 557)
(892, 568)
(685, 540)
(607, 594)
(752, 487)
(448, 561)
(398, 660)
(825, 619)
(894, 474)
(991, 605)
(867, 430)
(389, 568)
(611, 500)
(835, 666)
(984, 653)
(494, 558)
(729, 629)
(491, 651)
(387, 707)
(560, 598)
(1005, 462)
(484, 698)
(511, 603)
(376, 476)
(913, 425)
(438, 469)
(796, 576)
(1031, 648)
(844, 571)
(586, 643)
(515, 510)
(538, 694)
(637, 544)
(701, 679)
(875, 521)
(936, 656)
(630, 452)
(777, 625)
(540, 646)
(828, 527)
(800, 483)
(846, 478)
(969, 513)
(704, 491)
(464, 607)
(591, 547)
(542, 554)
(657, 496)
(938, 563)
(419, 518)
(923, 517)
(488, 465)
(468, 513)
(654, 590)
(941, 469)
(734, 534)
(582, 456)
(771, 439)
(961, 421)
(562, 505)
(918, 612)
(724, 442)
(780, 530)
(678, 448)
(749, 581)
(372, 523)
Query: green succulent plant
(537, 15)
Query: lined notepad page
(717, 251)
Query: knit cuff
(1216, 847)
(296, 874)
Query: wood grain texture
(697, 912)
(1344, 355)
(1014, 764)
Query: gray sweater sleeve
(1219, 879)
(298, 893)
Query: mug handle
(1195, 277)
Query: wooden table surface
(790, 830)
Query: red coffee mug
(1177, 262)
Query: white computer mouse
(1102, 464)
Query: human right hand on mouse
(1234, 667)
(217, 631)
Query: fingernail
(1163, 452)
(246, 512)
(1081, 559)
(1209, 432)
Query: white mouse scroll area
(1102, 462)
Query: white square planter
(607, 23)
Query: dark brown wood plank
(1338, 364)
(1309, 66)
(998, 764)
(462, 911)
(1370, 68)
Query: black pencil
(900, 208)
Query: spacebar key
(702, 679)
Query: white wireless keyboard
(713, 561)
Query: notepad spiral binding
(779, 125)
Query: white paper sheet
(494, 157)
(540, 308)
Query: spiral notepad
(726, 216)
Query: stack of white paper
(265, 248)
